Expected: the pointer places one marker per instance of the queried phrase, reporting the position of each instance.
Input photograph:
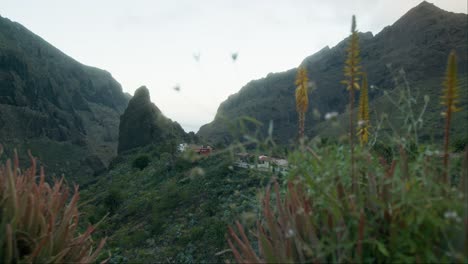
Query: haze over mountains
(49, 99)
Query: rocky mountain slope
(417, 44)
(48, 99)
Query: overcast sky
(152, 43)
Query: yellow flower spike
(449, 97)
(408, 186)
(352, 71)
(450, 91)
(363, 114)
(302, 98)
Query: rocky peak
(142, 93)
(425, 6)
(142, 100)
(143, 124)
(422, 12)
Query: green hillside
(176, 209)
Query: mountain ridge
(420, 49)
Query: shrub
(172, 196)
(113, 199)
(141, 162)
(384, 151)
(115, 161)
(38, 223)
(459, 144)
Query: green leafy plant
(113, 199)
(38, 221)
(404, 101)
(459, 144)
(383, 150)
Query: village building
(204, 150)
(262, 163)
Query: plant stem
(446, 145)
(351, 134)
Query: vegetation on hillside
(174, 209)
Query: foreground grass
(402, 211)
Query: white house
(182, 147)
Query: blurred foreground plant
(450, 99)
(302, 97)
(352, 73)
(402, 212)
(38, 223)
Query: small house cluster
(261, 163)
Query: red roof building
(204, 150)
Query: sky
(153, 42)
